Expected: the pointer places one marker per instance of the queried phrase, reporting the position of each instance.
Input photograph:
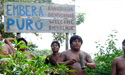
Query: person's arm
(8, 41)
(113, 70)
(7, 48)
(62, 58)
(89, 62)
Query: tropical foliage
(105, 56)
(18, 64)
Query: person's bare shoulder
(87, 56)
(48, 56)
(85, 53)
(117, 59)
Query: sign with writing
(35, 17)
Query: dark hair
(56, 43)
(74, 37)
(21, 39)
(123, 43)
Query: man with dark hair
(23, 41)
(76, 58)
(53, 58)
(118, 64)
(6, 50)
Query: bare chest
(121, 64)
(71, 56)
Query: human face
(22, 49)
(76, 45)
(55, 47)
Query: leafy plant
(18, 64)
(105, 56)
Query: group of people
(72, 57)
(76, 58)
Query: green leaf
(15, 41)
(72, 71)
(0, 44)
(19, 43)
(22, 45)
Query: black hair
(74, 37)
(123, 43)
(22, 39)
(56, 43)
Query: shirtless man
(71, 57)
(8, 40)
(6, 50)
(118, 64)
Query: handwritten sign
(34, 17)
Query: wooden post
(67, 39)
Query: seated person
(8, 40)
(52, 59)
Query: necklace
(56, 58)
